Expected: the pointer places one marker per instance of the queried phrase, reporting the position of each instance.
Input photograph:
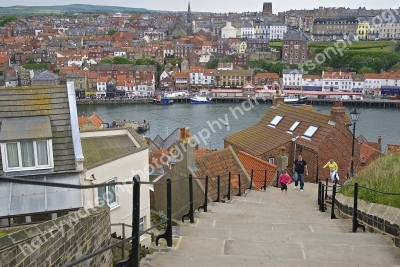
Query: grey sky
(217, 6)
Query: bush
(157, 218)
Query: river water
(211, 123)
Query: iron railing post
(190, 214)
(239, 194)
(356, 224)
(265, 180)
(251, 179)
(204, 207)
(229, 186)
(134, 257)
(319, 194)
(218, 188)
(326, 188)
(333, 216)
(168, 232)
(123, 237)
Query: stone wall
(375, 217)
(60, 241)
(271, 56)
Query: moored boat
(299, 100)
(162, 100)
(200, 100)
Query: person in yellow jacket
(333, 168)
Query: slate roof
(261, 138)
(46, 76)
(258, 167)
(43, 101)
(103, 149)
(221, 162)
(169, 141)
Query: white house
(292, 79)
(337, 81)
(101, 87)
(228, 31)
(246, 30)
(372, 81)
(276, 31)
(311, 82)
(116, 155)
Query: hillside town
(135, 55)
(76, 190)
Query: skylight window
(294, 126)
(310, 131)
(276, 120)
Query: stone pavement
(267, 228)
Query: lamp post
(354, 118)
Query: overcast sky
(217, 5)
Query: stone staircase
(267, 228)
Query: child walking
(284, 180)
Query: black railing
(354, 211)
(134, 257)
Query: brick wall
(60, 241)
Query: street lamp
(354, 118)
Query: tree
(121, 60)
(31, 58)
(212, 64)
(112, 31)
(106, 60)
(364, 69)
(278, 67)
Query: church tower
(189, 15)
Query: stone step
(283, 259)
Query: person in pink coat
(284, 180)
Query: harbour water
(213, 122)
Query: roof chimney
(338, 113)
(278, 98)
(380, 143)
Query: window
(108, 194)
(271, 160)
(27, 155)
(275, 120)
(141, 224)
(310, 131)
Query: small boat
(162, 100)
(200, 100)
(299, 100)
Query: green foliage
(176, 61)
(121, 60)
(56, 71)
(31, 58)
(293, 66)
(144, 61)
(34, 66)
(106, 60)
(212, 64)
(112, 31)
(278, 67)
(363, 70)
(227, 59)
(6, 19)
(381, 175)
(156, 218)
(2, 233)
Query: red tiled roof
(222, 162)
(259, 167)
(266, 75)
(368, 154)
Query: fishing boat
(200, 100)
(295, 100)
(158, 100)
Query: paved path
(267, 228)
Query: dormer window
(275, 120)
(310, 131)
(294, 126)
(26, 143)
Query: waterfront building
(232, 78)
(337, 81)
(266, 80)
(311, 82)
(291, 79)
(372, 83)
